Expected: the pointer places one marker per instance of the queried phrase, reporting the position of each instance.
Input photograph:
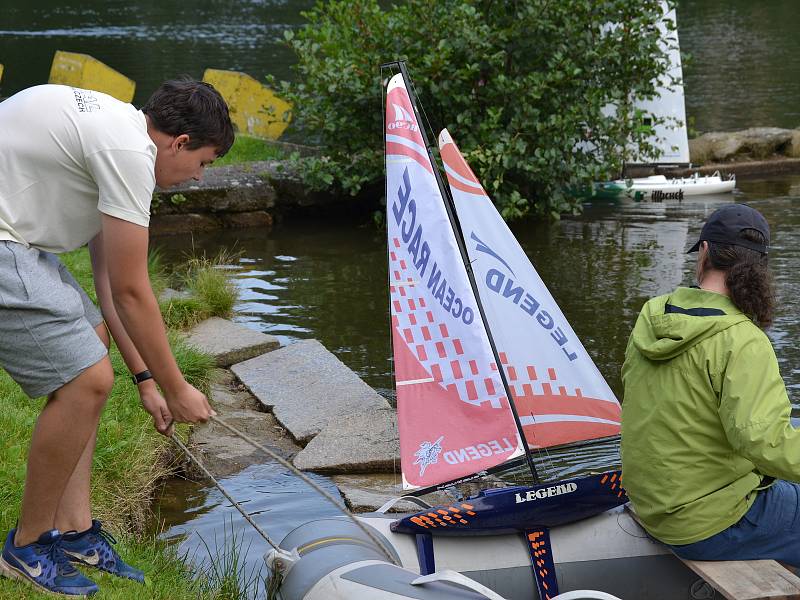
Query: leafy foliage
(522, 86)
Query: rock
(367, 493)
(258, 218)
(229, 342)
(307, 387)
(224, 453)
(170, 294)
(792, 149)
(755, 143)
(171, 224)
(359, 443)
(232, 188)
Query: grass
(248, 149)
(130, 457)
(212, 292)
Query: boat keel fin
(427, 563)
(542, 563)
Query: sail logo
(428, 454)
(548, 492)
(402, 119)
(505, 286)
(478, 451)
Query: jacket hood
(672, 324)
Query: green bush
(518, 84)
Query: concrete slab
(368, 492)
(359, 443)
(306, 387)
(229, 342)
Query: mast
(449, 207)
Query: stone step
(307, 387)
(229, 342)
(359, 443)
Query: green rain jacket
(705, 416)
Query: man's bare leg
(60, 439)
(74, 512)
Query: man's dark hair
(195, 108)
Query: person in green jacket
(709, 455)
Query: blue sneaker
(44, 565)
(93, 548)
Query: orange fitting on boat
(467, 506)
(604, 479)
(442, 512)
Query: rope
(225, 493)
(307, 480)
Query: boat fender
(281, 561)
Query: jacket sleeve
(755, 410)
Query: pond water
(328, 280)
(744, 70)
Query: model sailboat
(487, 366)
(488, 371)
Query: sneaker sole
(13, 573)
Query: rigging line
(307, 480)
(422, 108)
(388, 67)
(225, 493)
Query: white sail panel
(453, 415)
(559, 393)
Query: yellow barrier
(84, 71)
(1, 71)
(255, 109)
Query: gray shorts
(47, 322)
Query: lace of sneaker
(57, 556)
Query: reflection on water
(207, 525)
(744, 69)
(329, 281)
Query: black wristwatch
(140, 377)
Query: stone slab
(306, 387)
(222, 452)
(368, 492)
(359, 443)
(229, 342)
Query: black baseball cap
(726, 224)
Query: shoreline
(263, 193)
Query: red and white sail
(559, 393)
(453, 415)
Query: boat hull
(607, 552)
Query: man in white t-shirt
(79, 167)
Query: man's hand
(154, 403)
(189, 405)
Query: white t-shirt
(66, 156)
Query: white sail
(559, 393)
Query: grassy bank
(248, 149)
(131, 456)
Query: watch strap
(142, 376)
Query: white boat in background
(658, 188)
(670, 137)
(488, 372)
